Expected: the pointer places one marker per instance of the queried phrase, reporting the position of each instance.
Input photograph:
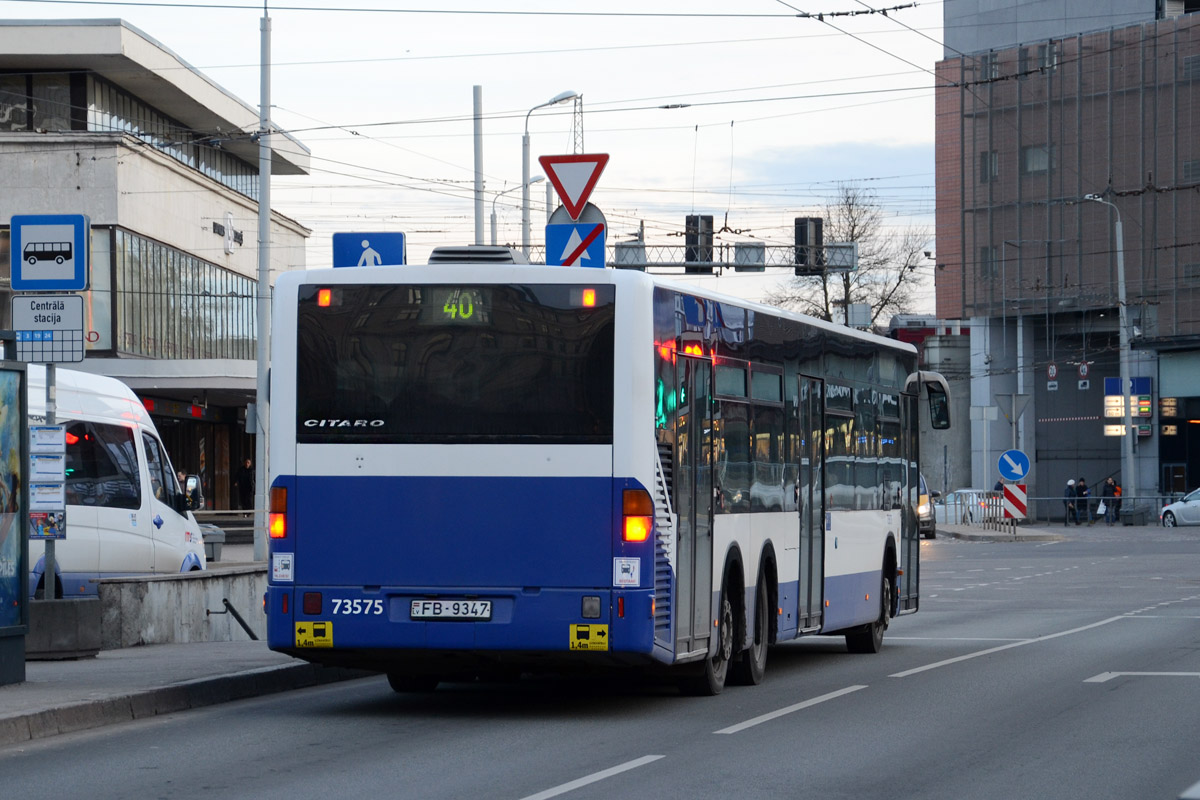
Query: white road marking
(949, 639)
(991, 650)
(593, 778)
(750, 723)
(1191, 794)
(1108, 676)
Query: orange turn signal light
(277, 519)
(638, 510)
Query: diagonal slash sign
(591, 237)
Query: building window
(1047, 56)
(989, 166)
(987, 262)
(1043, 59)
(1036, 159)
(1191, 68)
(1191, 171)
(989, 66)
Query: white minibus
(125, 511)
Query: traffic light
(810, 246)
(698, 236)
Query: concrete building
(1040, 104)
(97, 118)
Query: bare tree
(886, 279)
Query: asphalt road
(1033, 670)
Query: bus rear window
(455, 364)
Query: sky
(749, 111)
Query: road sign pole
(48, 568)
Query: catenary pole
(263, 295)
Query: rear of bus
(445, 497)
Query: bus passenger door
(910, 534)
(811, 503)
(694, 504)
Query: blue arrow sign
(575, 245)
(50, 252)
(368, 249)
(1013, 465)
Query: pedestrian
(1109, 497)
(245, 485)
(1083, 502)
(1069, 503)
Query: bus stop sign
(50, 252)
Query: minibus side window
(101, 466)
(162, 479)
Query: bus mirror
(939, 407)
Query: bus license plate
(451, 609)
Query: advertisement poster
(12, 581)
(47, 525)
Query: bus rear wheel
(405, 684)
(748, 670)
(869, 638)
(711, 680)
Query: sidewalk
(137, 682)
(1035, 532)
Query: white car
(961, 507)
(1182, 512)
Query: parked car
(926, 522)
(962, 507)
(1182, 512)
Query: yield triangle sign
(574, 177)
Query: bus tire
(869, 638)
(403, 684)
(710, 680)
(748, 670)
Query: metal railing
(237, 525)
(987, 510)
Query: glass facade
(164, 304)
(54, 101)
(174, 305)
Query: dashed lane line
(906, 673)
(1104, 677)
(750, 723)
(595, 777)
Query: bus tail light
(638, 511)
(277, 521)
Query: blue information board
(368, 249)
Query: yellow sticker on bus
(589, 637)
(314, 634)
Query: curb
(1005, 537)
(169, 699)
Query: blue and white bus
(484, 469)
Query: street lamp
(536, 179)
(562, 97)
(1130, 477)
